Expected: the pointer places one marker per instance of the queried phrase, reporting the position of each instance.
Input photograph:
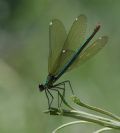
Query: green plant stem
(102, 130)
(80, 115)
(80, 103)
(88, 117)
(68, 124)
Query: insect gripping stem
(73, 58)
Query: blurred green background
(24, 42)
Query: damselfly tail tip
(97, 27)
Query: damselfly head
(41, 87)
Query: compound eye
(41, 87)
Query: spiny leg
(58, 97)
(58, 101)
(59, 94)
(47, 91)
(63, 94)
(66, 81)
(50, 103)
(47, 98)
(59, 87)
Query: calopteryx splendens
(68, 51)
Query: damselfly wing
(89, 52)
(68, 51)
(57, 37)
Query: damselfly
(67, 52)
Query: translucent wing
(89, 52)
(74, 40)
(76, 34)
(57, 37)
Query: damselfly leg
(57, 88)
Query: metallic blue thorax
(49, 81)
